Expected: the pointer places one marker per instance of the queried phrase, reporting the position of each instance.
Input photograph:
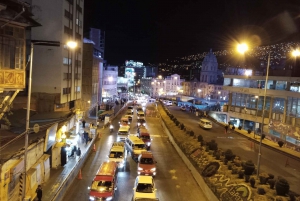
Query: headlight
(139, 124)
(92, 198)
(139, 168)
(148, 143)
(144, 124)
(153, 169)
(109, 198)
(111, 126)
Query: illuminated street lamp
(63, 136)
(33, 43)
(242, 48)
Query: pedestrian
(78, 152)
(39, 193)
(83, 123)
(86, 137)
(226, 129)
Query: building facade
(92, 65)
(274, 112)
(168, 86)
(109, 83)
(58, 70)
(13, 50)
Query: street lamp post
(256, 101)
(263, 116)
(41, 43)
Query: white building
(57, 71)
(171, 85)
(109, 83)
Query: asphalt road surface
(174, 181)
(271, 161)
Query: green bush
(282, 187)
(177, 122)
(191, 133)
(228, 154)
(181, 126)
(213, 145)
(249, 167)
(200, 138)
(280, 143)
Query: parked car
(182, 108)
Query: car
(141, 122)
(130, 108)
(146, 164)
(144, 187)
(168, 103)
(182, 108)
(129, 116)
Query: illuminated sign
(129, 74)
(133, 63)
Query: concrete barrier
(206, 190)
(73, 174)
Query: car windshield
(208, 123)
(123, 133)
(130, 107)
(145, 137)
(116, 154)
(146, 161)
(141, 120)
(138, 146)
(144, 188)
(102, 186)
(141, 115)
(128, 113)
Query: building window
(11, 53)
(67, 90)
(60, 106)
(77, 89)
(70, 2)
(68, 15)
(77, 76)
(68, 31)
(67, 61)
(78, 63)
(78, 22)
(67, 76)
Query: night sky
(156, 30)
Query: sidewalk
(59, 177)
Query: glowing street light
(296, 53)
(242, 48)
(72, 44)
(110, 78)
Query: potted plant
(181, 126)
(249, 169)
(263, 136)
(249, 131)
(191, 133)
(233, 127)
(213, 145)
(228, 154)
(240, 127)
(280, 143)
(241, 174)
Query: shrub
(202, 143)
(240, 127)
(217, 155)
(200, 138)
(247, 178)
(241, 174)
(271, 176)
(261, 191)
(252, 182)
(228, 154)
(282, 187)
(182, 126)
(249, 131)
(280, 143)
(234, 170)
(249, 167)
(177, 122)
(271, 182)
(191, 133)
(263, 178)
(213, 145)
(233, 127)
(263, 136)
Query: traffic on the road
(135, 162)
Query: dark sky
(156, 30)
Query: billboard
(50, 136)
(129, 74)
(133, 63)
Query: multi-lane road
(271, 161)
(174, 182)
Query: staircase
(6, 99)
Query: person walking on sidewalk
(226, 129)
(78, 153)
(83, 123)
(39, 193)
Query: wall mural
(12, 79)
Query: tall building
(209, 69)
(12, 50)
(109, 83)
(57, 72)
(98, 37)
(92, 69)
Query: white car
(144, 188)
(168, 103)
